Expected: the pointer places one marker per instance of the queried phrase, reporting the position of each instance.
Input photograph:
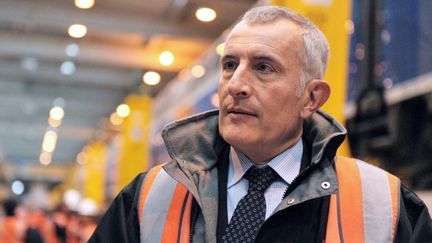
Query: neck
(263, 156)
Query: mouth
(240, 111)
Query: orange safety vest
(11, 231)
(365, 209)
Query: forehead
(280, 36)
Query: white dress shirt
(287, 165)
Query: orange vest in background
(365, 208)
(11, 231)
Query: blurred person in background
(12, 227)
(72, 226)
(264, 168)
(87, 227)
(60, 217)
(41, 227)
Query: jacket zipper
(194, 218)
(294, 181)
(191, 233)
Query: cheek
(222, 92)
(220, 98)
(222, 86)
(283, 108)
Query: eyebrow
(257, 58)
(265, 58)
(227, 57)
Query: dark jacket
(199, 157)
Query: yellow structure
(94, 172)
(134, 148)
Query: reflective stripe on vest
(366, 208)
(164, 209)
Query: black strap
(322, 227)
(195, 210)
(222, 200)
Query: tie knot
(260, 178)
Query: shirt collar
(286, 164)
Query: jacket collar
(324, 135)
(195, 143)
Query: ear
(315, 95)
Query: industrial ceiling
(41, 66)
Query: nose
(239, 83)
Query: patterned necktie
(249, 214)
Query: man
(263, 168)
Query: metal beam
(57, 17)
(85, 76)
(46, 92)
(34, 132)
(100, 53)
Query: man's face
(259, 106)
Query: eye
(229, 66)
(264, 68)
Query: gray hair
(315, 51)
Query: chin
(236, 138)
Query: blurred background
(87, 85)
